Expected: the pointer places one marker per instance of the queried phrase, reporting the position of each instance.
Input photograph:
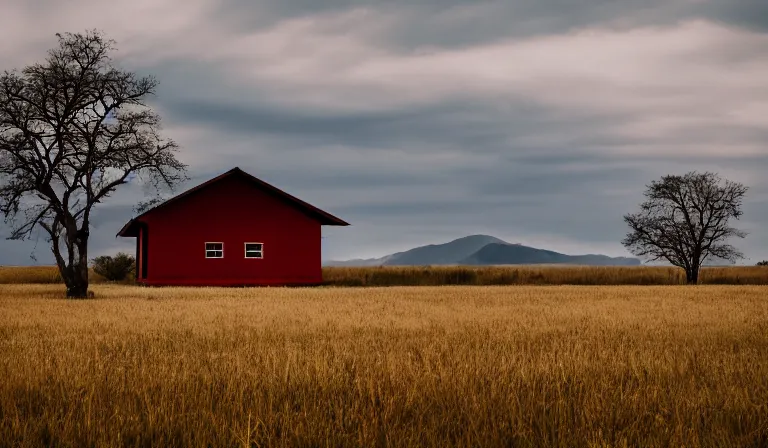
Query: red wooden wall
(234, 212)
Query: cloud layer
(535, 121)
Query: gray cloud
(750, 14)
(449, 23)
(539, 122)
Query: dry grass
(478, 276)
(537, 275)
(433, 366)
(15, 275)
(29, 274)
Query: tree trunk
(76, 276)
(692, 275)
(77, 283)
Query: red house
(234, 230)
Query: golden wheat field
(575, 366)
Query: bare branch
(60, 155)
(685, 220)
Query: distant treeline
(461, 275)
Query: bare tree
(72, 130)
(685, 220)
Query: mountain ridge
(483, 250)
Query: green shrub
(762, 263)
(114, 268)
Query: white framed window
(214, 250)
(254, 250)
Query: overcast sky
(421, 121)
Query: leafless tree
(686, 220)
(72, 130)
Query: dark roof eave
(130, 229)
(337, 224)
(326, 219)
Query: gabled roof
(130, 229)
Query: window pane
(254, 250)
(253, 254)
(214, 254)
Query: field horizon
(469, 275)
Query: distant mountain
(483, 250)
(494, 254)
(447, 253)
